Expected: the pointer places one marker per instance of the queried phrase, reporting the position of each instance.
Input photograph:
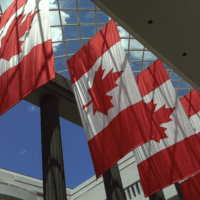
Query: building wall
(14, 186)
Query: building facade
(14, 186)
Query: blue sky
(20, 140)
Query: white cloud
(31, 108)
(22, 152)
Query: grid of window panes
(75, 22)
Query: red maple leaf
(98, 92)
(10, 44)
(157, 118)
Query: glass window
(54, 18)
(60, 64)
(73, 46)
(67, 4)
(102, 17)
(69, 17)
(87, 16)
(88, 31)
(134, 44)
(58, 49)
(135, 55)
(85, 4)
(71, 32)
(149, 56)
(53, 4)
(56, 34)
(135, 66)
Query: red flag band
(109, 101)
(26, 56)
(191, 104)
(174, 153)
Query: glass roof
(75, 22)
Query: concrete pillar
(113, 184)
(52, 156)
(178, 189)
(157, 196)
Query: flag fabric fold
(110, 103)
(191, 104)
(173, 154)
(26, 54)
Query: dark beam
(178, 189)
(61, 88)
(157, 196)
(113, 184)
(52, 155)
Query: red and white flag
(26, 55)
(191, 103)
(115, 118)
(174, 153)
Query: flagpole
(157, 196)
(52, 156)
(178, 189)
(113, 184)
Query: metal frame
(63, 69)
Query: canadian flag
(115, 118)
(174, 153)
(191, 103)
(26, 55)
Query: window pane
(124, 43)
(67, 3)
(134, 44)
(84, 42)
(71, 32)
(60, 64)
(85, 4)
(72, 19)
(175, 84)
(135, 55)
(58, 49)
(73, 47)
(54, 18)
(184, 85)
(122, 32)
(173, 75)
(87, 16)
(56, 34)
(88, 31)
(102, 17)
(135, 66)
(146, 64)
(149, 56)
